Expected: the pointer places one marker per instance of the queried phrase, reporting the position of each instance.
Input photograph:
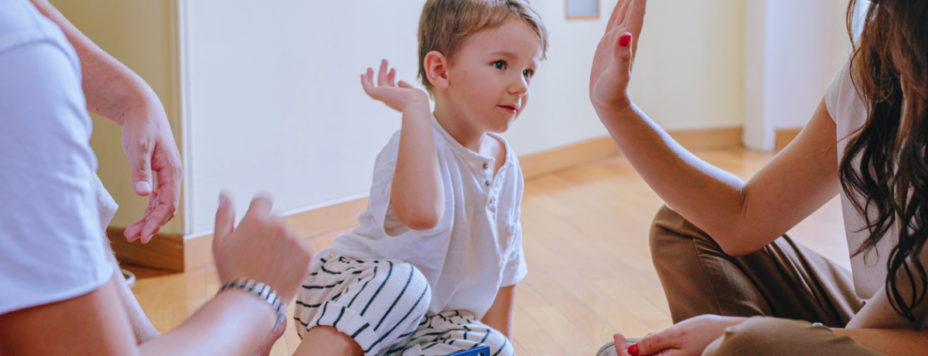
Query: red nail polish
(633, 350)
(625, 40)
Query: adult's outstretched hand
(615, 57)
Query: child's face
(489, 77)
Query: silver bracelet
(262, 291)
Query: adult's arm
(44, 113)
(741, 216)
(114, 91)
(95, 324)
(232, 323)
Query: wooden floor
(585, 235)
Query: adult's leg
(784, 279)
(773, 336)
(141, 325)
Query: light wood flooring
(585, 235)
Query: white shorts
(382, 305)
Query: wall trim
(164, 251)
(184, 253)
(785, 136)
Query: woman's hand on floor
(689, 337)
(615, 56)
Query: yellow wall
(689, 72)
(141, 34)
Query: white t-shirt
(51, 239)
(850, 113)
(474, 250)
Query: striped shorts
(382, 305)
(449, 332)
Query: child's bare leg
(326, 340)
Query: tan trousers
(784, 280)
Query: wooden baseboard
(544, 162)
(176, 253)
(198, 250)
(555, 159)
(785, 136)
(714, 138)
(164, 251)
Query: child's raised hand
(399, 97)
(615, 56)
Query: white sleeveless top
(850, 113)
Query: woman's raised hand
(615, 56)
(398, 96)
(260, 248)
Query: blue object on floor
(477, 351)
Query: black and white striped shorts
(382, 305)
(377, 302)
(449, 332)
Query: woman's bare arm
(741, 217)
(892, 342)
(96, 324)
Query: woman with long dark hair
(735, 283)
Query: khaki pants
(784, 280)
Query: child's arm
(417, 192)
(500, 314)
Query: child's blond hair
(445, 24)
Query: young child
(432, 267)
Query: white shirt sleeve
(380, 201)
(516, 269)
(838, 85)
(51, 242)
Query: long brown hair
(889, 184)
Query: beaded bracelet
(262, 291)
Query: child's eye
(528, 73)
(499, 65)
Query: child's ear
(436, 69)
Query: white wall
(793, 48)
(273, 100)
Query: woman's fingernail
(625, 40)
(633, 350)
(143, 187)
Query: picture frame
(582, 9)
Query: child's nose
(519, 86)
